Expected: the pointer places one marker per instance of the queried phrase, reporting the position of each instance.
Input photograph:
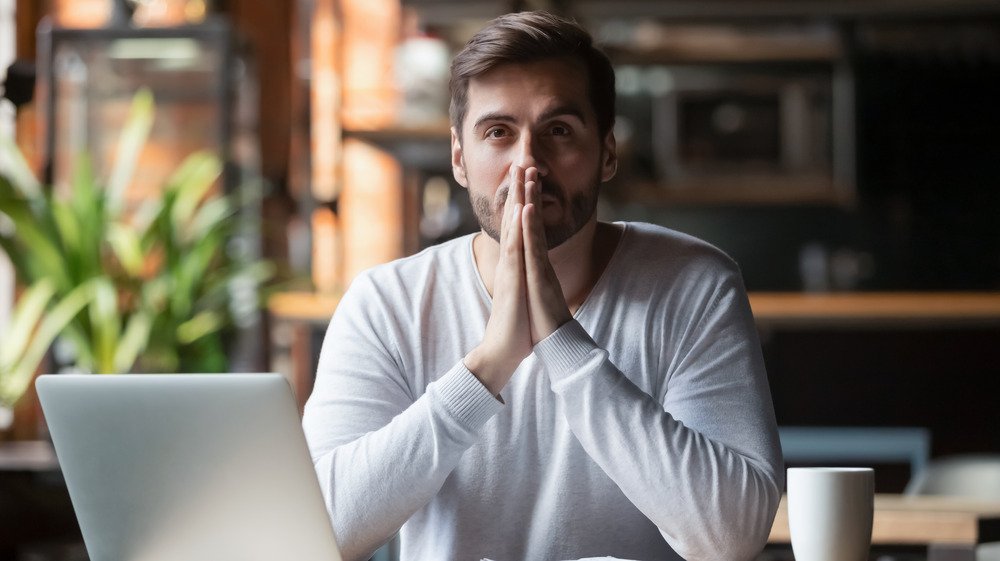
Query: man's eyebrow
(561, 111)
(494, 116)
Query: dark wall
(927, 148)
(944, 379)
(929, 166)
(926, 217)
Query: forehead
(523, 88)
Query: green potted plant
(152, 289)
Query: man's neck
(578, 262)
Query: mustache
(549, 188)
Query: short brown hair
(528, 37)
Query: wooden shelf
(743, 10)
(876, 308)
(424, 147)
(745, 190)
(434, 132)
(726, 44)
(303, 306)
(919, 308)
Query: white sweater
(642, 428)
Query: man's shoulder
(662, 247)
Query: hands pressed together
(528, 303)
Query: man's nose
(530, 154)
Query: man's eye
(496, 132)
(559, 130)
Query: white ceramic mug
(830, 513)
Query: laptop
(187, 467)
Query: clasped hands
(528, 303)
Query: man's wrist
(491, 371)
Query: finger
(546, 304)
(517, 237)
(536, 256)
(508, 211)
(513, 244)
(532, 186)
(509, 280)
(516, 190)
(531, 196)
(534, 275)
(531, 173)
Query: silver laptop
(187, 467)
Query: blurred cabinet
(370, 132)
(203, 89)
(369, 173)
(349, 194)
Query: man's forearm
(374, 483)
(708, 500)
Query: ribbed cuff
(564, 349)
(465, 397)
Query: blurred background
(845, 153)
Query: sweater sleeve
(704, 464)
(380, 454)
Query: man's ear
(609, 157)
(457, 160)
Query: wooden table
(28, 456)
(875, 309)
(950, 528)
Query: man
(552, 387)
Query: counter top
(875, 308)
(771, 308)
(919, 520)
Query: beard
(577, 210)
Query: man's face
(535, 114)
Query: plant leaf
(147, 213)
(130, 144)
(17, 257)
(18, 379)
(126, 245)
(210, 216)
(84, 190)
(23, 320)
(69, 233)
(106, 321)
(200, 325)
(89, 206)
(46, 258)
(133, 341)
(76, 334)
(14, 166)
(191, 272)
(194, 178)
